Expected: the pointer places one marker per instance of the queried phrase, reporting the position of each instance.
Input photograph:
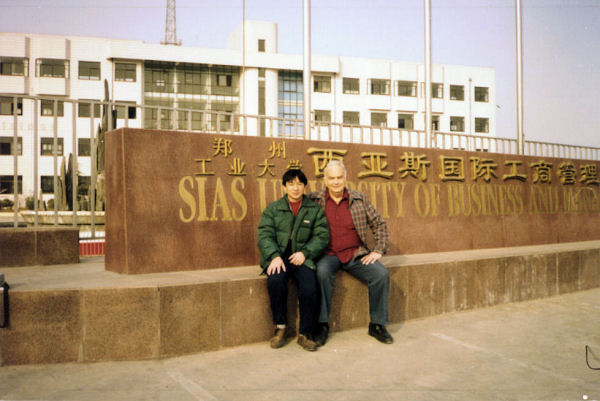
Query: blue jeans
(375, 275)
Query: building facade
(174, 87)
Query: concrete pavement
(520, 351)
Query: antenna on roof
(171, 26)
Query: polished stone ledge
(38, 246)
(82, 313)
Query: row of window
(351, 86)
(160, 78)
(405, 121)
(7, 107)
(60, 68)
(187, 78)
(46, 184)
(46, 146)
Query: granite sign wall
(187, 201)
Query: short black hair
(291, 175)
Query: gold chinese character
(203, 167)
(567, 173)
(237, 167)
(222, 146)
(277, 150)
(452, 168)
(483, 168)
(415, 166)
(294, 165)
(514, 174)
(323, 156)
(589, 174)
(542, 172)
(266, 168)
(375, 164)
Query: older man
(350, 216)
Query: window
(7, 106)
(125, 72)
(48, 146)
(160, 77)
(405, 121)
(6, 145)
(379, 86)
(406, 88)
(435, 123)
(481, 94)
(129, 112)
(47, 184)
(322, 116)
(378, 119)
(7, 184)
(52, 68)
(351, 117)
(83, 147)
(89, 70)
(47, 108)
(437, 91)
(153, 114)
(457, 124)
(261, 98)
(457, 92)
(224, 80)
(261, 45)
(14, 66)
(351, 86)
(290, 102)
(482, 125)
(322, 84)
(84, 110)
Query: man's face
(294, 190)
(335, 180)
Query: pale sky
(561, 42)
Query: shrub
(6, 203)
(29, 203)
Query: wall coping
(90, 273)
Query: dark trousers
(306, 279)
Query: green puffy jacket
(309, 233)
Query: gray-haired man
(350, 216)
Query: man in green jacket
(292, 233)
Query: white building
(212, 85)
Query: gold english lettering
(239, 198)
(399, 194)
(422, 209)
(262, 193)
(220, 202)
(188, 198)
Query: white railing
(26, 116)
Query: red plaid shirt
(365, 218)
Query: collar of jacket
(284, 204)
(352, 194)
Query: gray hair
(336, 162)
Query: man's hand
(371, 258)
(275, 266)
(297, 258)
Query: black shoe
(321, 337)
(380, 333)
